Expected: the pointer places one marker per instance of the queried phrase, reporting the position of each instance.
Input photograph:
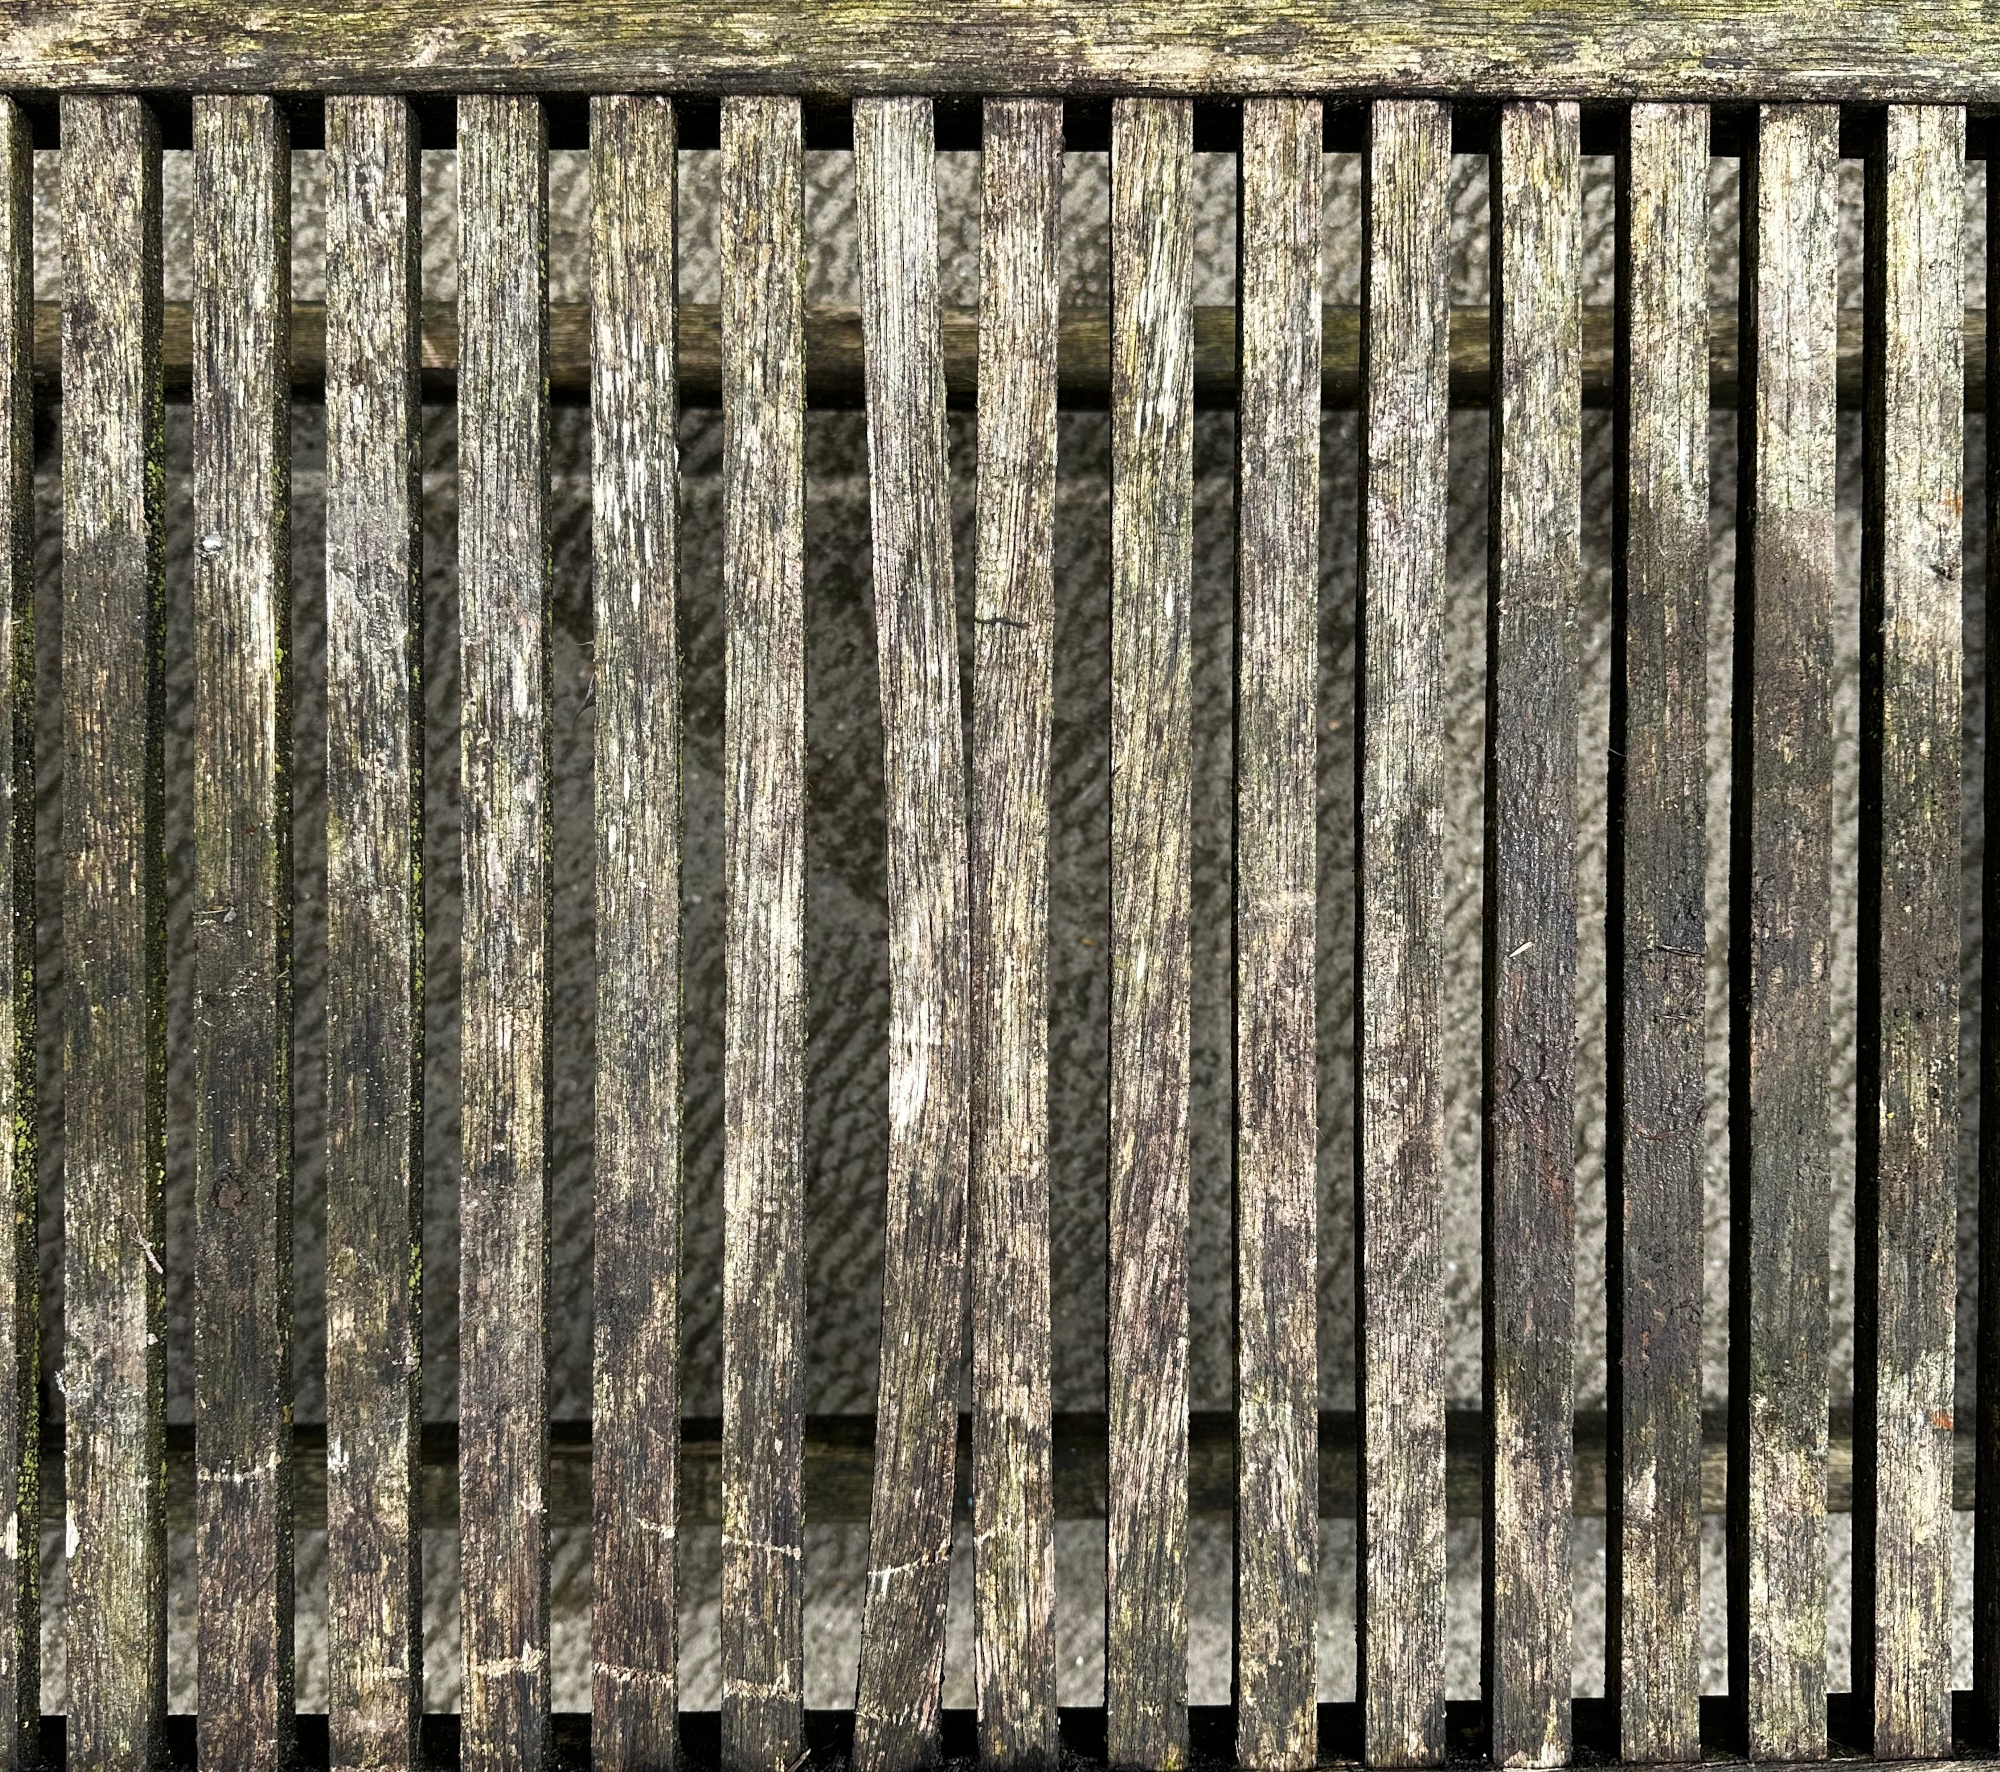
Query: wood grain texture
(763, 1244)
(1399, 1135)
(1907, 1136)
(242, 931)
(114, 933)
(1277, 1123)
(503, 578)
(1691, 49)
(1781, 818)
(20, 1272)
(1152, 500)
(635, 556)
(1659, 955)
(374, 912)
(1534, 542)
(1986, 1517)
(1013, 675)
(900, 1691)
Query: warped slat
(900, 1690)
(635, 1295)
(763, 1200)
(1906, 1217)
(374, 933)
(20, 1273)
(1781, 813)
(1152, 497)
(503, 577)
(242, 930)
(1529, 1258)
(1656, 928)
(1400, 912)
(114, 932)
(1012, 708)
(1277, 1217)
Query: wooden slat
(1658, 873)
(1529, 1255)
(1906, 1222)
(763, 1200)
(503, 575)
(1152, 497)
(1400, 911)
(114, 933)
(635, 1415)
(374, 914)
(1781, 811)
(1277, 674)
(1012, 708)
(242, 931)
(20, 1275)
(1986, 1514)
(900, 1692)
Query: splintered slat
(242, 929)
(20, 1286)
(1012, 688)
(1152, 502)
(114, 934)
(635, 1432)
(898, 1699)
(763, 1185)
(1658, 873)
(1277, 1218)
(1400, 869)
(1906, 1229)
(503, 552)
(1781, 808)
(1529, 1257)
(374, 933)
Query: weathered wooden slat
(1781, 814)
(1938, 49)
(1535, 539)
(1012, 708)
(1152, 499)
(636, 1272)
(1277, 1147)
(1400, 874)
(1656, 928)
(763, 1240)
(114, 932)
(900, 1691)
(242, 931)
(374, 934)
(20, 1274)
(503, 575)
(1906, 1221)
(1986, 1515)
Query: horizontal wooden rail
(834, 361)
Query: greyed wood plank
(1986, 1513)
(114, 933)
(900, 1692)
(763, 1197)
(1399, 938)
(635, 1415)
(1534, 541)
(1781, 814)
(20, 1274)
(1906, 1222)
(503, 575)
(1152, 500)
(1658, 873)
(1012, 702)
(243, 931)
(374, 911)
(1277, 675)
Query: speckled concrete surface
(846, 942)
